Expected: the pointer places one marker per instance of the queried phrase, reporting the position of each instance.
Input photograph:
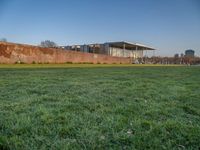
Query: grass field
(84, 107)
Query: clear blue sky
(171, 26)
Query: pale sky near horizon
(171, 26)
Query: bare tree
(48, 43)
(3, 40)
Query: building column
(106, 48)
(124, 47)
(136, 54)
(153, 53)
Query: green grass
(84, 107)
(81, 65)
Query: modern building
(189, 53)
(118, 49)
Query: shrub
(69, 62)
(19, 62)
(87, 62)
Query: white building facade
(116, 49)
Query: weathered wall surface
(12, 53)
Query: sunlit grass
(122, 107)
(80, 65)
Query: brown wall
(12, 53)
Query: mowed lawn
(100, 108)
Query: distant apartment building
(117, 49)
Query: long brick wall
(12, 53)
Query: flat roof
(130, 45)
